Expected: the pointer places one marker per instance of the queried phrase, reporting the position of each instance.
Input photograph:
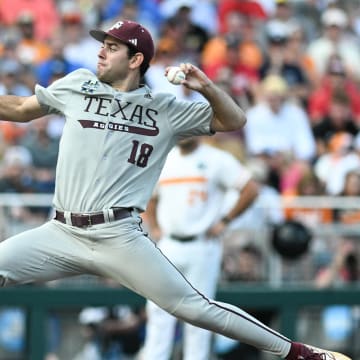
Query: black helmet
(291, 239)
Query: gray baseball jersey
(110, 138)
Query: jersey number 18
(140, 154)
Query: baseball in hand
(175, 75)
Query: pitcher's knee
(190, 310)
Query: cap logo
(118, 25)
(133, 41)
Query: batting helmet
(291, 239)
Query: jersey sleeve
(55, 97)
(190, 118)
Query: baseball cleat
(309, 352)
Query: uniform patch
(89, 86)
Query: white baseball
(175, 75)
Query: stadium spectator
(351, 188)
(56, 65)
(11, 76)
(79, 45)
(339, 323)
(11, 72)
(145, 12)
(308, 185)
(111, 333)
(277, 125)
(279, 60)
(336, 79)
(44, 151)
(295, 55)
(335, 40)
(16, 177)
(203, 13)
(240, 30)
(240, 77)
(332, 166)
(338, 118)
(30, 49)
(194, 36)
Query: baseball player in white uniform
(114, 144)
(186, 211)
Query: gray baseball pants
(120, 250)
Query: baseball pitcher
(114, 144)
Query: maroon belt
(84, 220)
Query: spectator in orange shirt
(238, 29)
(240, 77)
(30, 50)
(308, 185)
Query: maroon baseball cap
(132, 34)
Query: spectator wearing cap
(30, 50)
(278, 129)
(57, 65)
(335, 79)
(335, 39)
(278, 61)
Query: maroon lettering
(101, 106)
(121, 109)
(137, 113)
(153, 121)
(90, 98)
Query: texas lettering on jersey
(136, 118)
